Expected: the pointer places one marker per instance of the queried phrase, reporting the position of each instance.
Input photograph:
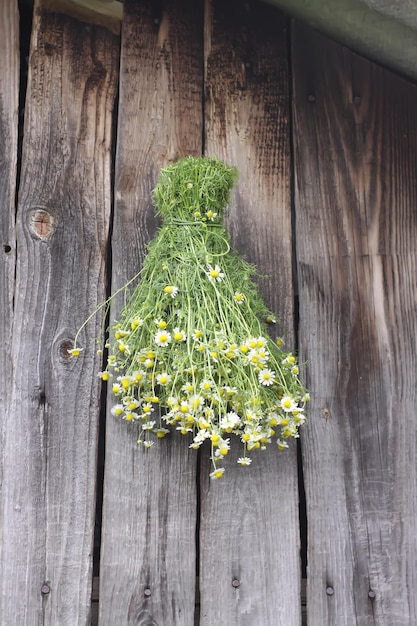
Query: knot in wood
(64, 349)
(41, 224)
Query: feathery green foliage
(191, 349)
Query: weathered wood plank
(62, 230)
(249, 520)
(149, 513)
(9, 104)
(356, 155)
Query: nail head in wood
(329, 591)
(311, 97)
(45, 589)
(147, 592)
(371, 594)
(235, 583)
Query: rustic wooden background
(326, 146)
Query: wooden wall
(326, 146)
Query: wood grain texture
(62, 229)
(9, 104)
(355, 133)
(249, 520)
(149, 512)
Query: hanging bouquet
(191, 350)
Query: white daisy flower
(161, 432)
(196, 402)
(239, 297)
(138, 377)
(288, 404)
(179, 335)
(200, 437)
(163, 379)
(266, 377)
(257, 357)
(136, 323)
(245, 460)
(217, 473)
(116, 388)
(75, 351)
(171, 290)
(147, 409)
(230, 421)
(205, 385)
(162, 338)
(214, 273)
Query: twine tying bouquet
(191, 350)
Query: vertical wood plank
(147, 573)
(62, 229)
(9, 104)
(249, 519)
(356, 161)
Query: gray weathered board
(50, 425)
(249, 530)
(355, 133)
(148, 554)
(9, 105)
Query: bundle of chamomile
(191, 351)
